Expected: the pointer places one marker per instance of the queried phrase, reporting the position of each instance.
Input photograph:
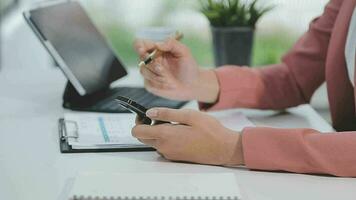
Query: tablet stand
(73, 100)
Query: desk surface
(31, 166)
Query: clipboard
(66, 148)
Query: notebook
(160, 186)
(93, 132)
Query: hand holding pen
(155, 53)
(170, 71)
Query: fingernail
(152, 113)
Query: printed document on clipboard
(95, 132)
(101, 132)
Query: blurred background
(120, 20)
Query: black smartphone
(135, 107)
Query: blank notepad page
(101, 185)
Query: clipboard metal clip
(62, 127)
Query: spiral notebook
(155, 186)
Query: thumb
(182, 116)
(142, 47)
(172, 46)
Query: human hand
(174, 74)
(193, 137)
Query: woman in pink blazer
(321, 54)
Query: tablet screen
(80, 45)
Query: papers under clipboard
(91, 132)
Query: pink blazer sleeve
(300, 150)
(284, 85)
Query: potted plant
(233, 25)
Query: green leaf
(232, 12)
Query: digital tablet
(76, 45)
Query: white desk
(31, 166)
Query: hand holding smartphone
(140, 110)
